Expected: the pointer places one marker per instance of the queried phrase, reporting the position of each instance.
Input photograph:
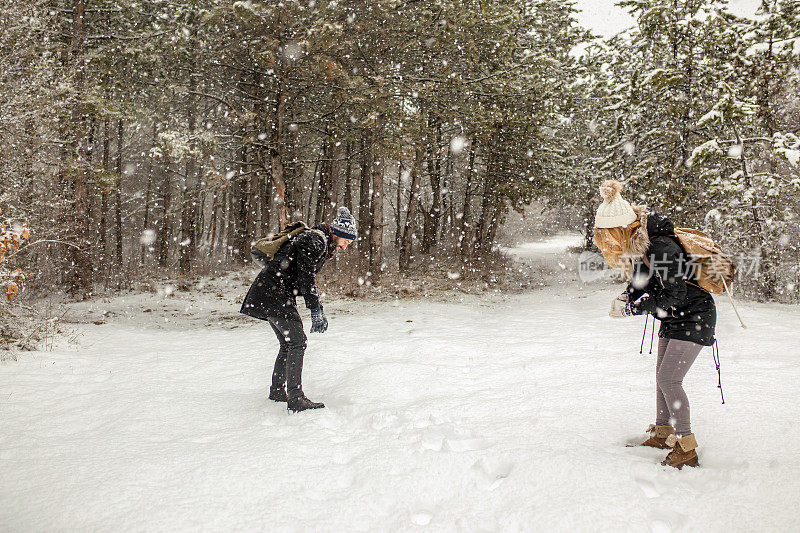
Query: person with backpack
(664, 285)
(290, 265)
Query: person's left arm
(310, 248)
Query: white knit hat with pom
(615, 211)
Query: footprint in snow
(492, 472)
(383, 420)
(421, 518)
(328, 419)
(657, 526)
(467, 444)
(342, 457)
(665, 521)
(446, 438)
(345, 480)
(644, 476)
(432, 440)
(633, 442)
(204, 439)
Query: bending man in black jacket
(272, 295)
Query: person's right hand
(319, 322)
(620, 307)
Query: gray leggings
(675, 357)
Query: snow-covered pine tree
(679, 47)
(767, 177)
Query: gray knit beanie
(344, 225)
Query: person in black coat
(272, 297)
(662, 285)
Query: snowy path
(494, 413)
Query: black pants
(289, 364)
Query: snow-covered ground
(482, 413)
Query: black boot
(301, 403)
(278, 395)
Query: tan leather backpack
(713, 269)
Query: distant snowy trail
(492, 413)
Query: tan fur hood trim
(641, 240)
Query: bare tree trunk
(117, 196)
(365, 196)
(267, 191)
(348, 181)
(214, 216)
(447, 198)
(252, 204)
(332, 192)
(426, 229)
(398, 226)
(327, 184)
(588, 217)
(239, 191)
(406, 245)
(266, 186)
(320, 169)
(165, 232)
(82, 269)
(294, 172)
(198, 210)
(103, 233)
(481, 229)
(226, 230)
(229, 202)
(148, 192)
(494, 224)
(187, 244)
(435, 174)
(276, 159)
(465, 240)
(326, 199)
(376, 226)
(191, 197)
(91, 141)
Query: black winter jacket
(291, 273)
(668, 291)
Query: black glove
(319, 322)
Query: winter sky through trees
(605, 18)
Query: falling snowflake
(292, 51)
(735, 151)
(458, 144)
(148, 237)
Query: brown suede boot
(658, 437)
(683, 452)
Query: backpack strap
(685, 258)
(698, 286)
